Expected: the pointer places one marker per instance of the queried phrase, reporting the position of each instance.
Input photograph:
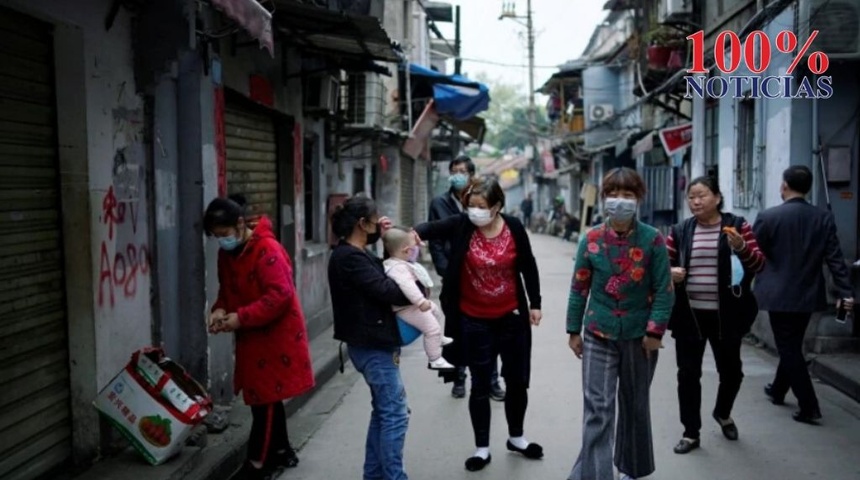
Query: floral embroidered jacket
(622, 287)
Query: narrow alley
(771, 445)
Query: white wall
(114, 124)
(772, 136)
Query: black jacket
(459, 230)
(361, 298)
(797, 238)
(442, 207)
(737, 309)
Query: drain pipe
(816, 151)
(819, 183)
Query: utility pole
(458, 65)
(509, 11)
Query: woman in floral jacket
(622, 294)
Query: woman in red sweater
(490, 270)
(257, 300)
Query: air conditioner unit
(600, 112)
(675, 10)
(321, 95)
(838, 25)
(365, 100)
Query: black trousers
(268, 432)
(689, 353)
(788, 332)
(510, 338)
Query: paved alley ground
(771, 445)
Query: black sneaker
(459, 390)
(286, 459)
(497, 393)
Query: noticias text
(753, 86)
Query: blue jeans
(386, 435)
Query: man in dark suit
(796, 238)
(461, 170)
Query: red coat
(273, 359)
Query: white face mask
(481, 217)
(620, 209)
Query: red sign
(260, 90)
(220, 142)
(676, 138)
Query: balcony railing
(569, 124)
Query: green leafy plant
(665, 36)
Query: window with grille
(745, 158)
(712, 138)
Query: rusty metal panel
(252, 160)
(35, 416)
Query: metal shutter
(407, 191)
(35, 418)
(252, 161)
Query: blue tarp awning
(456, 96)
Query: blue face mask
(458, 181)
(229, 243)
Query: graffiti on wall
(119, 273)
(124, 253)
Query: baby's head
(400, 243)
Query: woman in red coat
(257, 300)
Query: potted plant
(662, 42)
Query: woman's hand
(650, 344)
(678, 274)
(535, 317)
(575, 344)
(215, 319)
(736, 241)
(385, 224)
(230, 323)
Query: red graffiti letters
(113, 213)
(121, 272)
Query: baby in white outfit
(415, 283)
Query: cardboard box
(155, 404)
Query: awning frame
(300, 22)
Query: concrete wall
(600, 85)
(772, 128)
(106, 224)
(787, 122)
(388, 185)
(310, 257)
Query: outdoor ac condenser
(365, 100)
(675, 10)
(321, 95)
(838, 25)
(600, 112)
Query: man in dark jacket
(527, 208)
(796, 238)
(460, 170)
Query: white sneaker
(624, 476)
(440, 364)
(447, 340)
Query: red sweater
(488, 288)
